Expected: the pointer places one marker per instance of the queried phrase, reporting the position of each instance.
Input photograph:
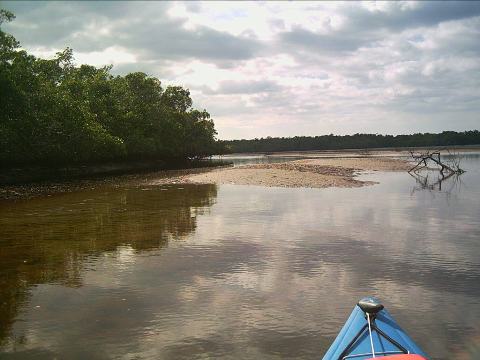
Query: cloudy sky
(284, 69)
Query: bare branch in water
(447, 168)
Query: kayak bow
(371, 332)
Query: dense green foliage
(357, 141)
(53, 112)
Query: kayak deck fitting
(371, 332)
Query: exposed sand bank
(312, 173)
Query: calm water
(239, 159)
(190, 272)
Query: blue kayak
(371, 332)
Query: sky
(283, 68)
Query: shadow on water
(52, 240)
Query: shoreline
(20, 176)
(311, 172)
(50, 188)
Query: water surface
(205, 271)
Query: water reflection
(262, 273)
(55, 240)
(242, 159)
(432, 181)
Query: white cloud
(112, 55)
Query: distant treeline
(357, 141)
(55, 113)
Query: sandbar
(309, 173)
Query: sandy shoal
(310, 173)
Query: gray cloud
(43, 23)
(398, 16)
(141, 27)
(169, 40)
(364, 28)
(426, 13)
(336, 42)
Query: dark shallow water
(188, 271)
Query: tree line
(357, 141)
(53, 112)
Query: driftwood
(446, 169)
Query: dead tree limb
(434, 156)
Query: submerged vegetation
(357, 141)
(55, 113)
